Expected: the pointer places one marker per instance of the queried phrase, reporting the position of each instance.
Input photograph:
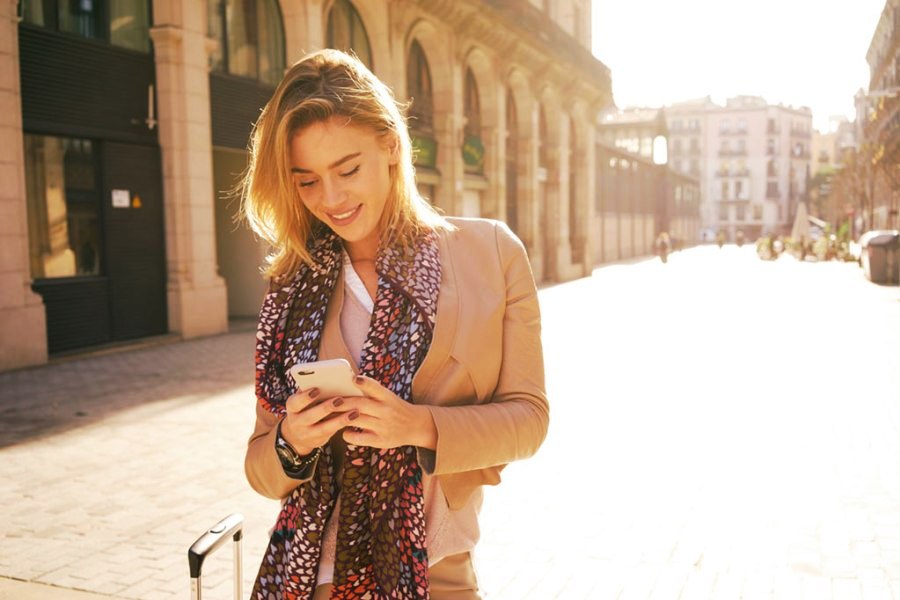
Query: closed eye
(351, 172)
(304, 184)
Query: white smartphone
(333, 377)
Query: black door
(135, 239)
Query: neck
(362, 250)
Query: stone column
(22, 319)
(196, 294)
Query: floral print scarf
(381, 526)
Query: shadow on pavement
(74, 391)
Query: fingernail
(337, 401)
(314, 393)
(359, 379)
(353, 415)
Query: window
(512, 165)
(738, 189)
(723, 212)
(742, 147)
(772, 190)
(473, 148)
(771, 169)
(676, 146)
(742, 125)
(695, 166)
(251, 39)
(676, 125)
(724, 195)
(123, 23)
(757, 212)
(63, 206)
(418, 83)
(695, 145)
(694, 124)
(770, 147)
(741, 212)
(724, 126)
(345, 31)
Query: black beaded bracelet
(295, 466)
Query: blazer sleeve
(261, 464)
(513, 423)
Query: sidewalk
(721, 427)
(115, 463)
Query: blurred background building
(752, 159)
(879, 116)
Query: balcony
(732, 152)
(732, 173)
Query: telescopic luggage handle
(209, 542)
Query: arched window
(345, 31)
(574, 239)
(251, 39)
(543, 142)
(473, 147)
(512, 163)
(418, 82)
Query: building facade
(752, 159)
(640, 195)
(125, 127)
(879, 115)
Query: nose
(331, 192)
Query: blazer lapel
(444, 329)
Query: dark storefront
(93, 172)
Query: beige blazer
(482, 378)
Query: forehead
(321, 143)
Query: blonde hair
(322, 85)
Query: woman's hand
(310, 421)
(380, 419)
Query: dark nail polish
(359, 379)
(337, 401)
(353, 415)
(314, 393)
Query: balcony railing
(732, 172)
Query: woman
(381, 492)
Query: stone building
(123, 126)
(752, 159)
(640, 195)
(879, 115)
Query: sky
(793, 52)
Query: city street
(721, 427)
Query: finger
(320, 410)
(301, 400)
(361, 438)
(371, 388)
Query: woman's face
(341, 173)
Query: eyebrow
(336, 163)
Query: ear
(393, 150)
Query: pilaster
(22, 317)
(196, 294)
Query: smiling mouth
(344, 217)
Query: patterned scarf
(381, 526)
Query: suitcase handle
(209, 542)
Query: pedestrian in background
(380, 492)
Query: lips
(346, 217)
